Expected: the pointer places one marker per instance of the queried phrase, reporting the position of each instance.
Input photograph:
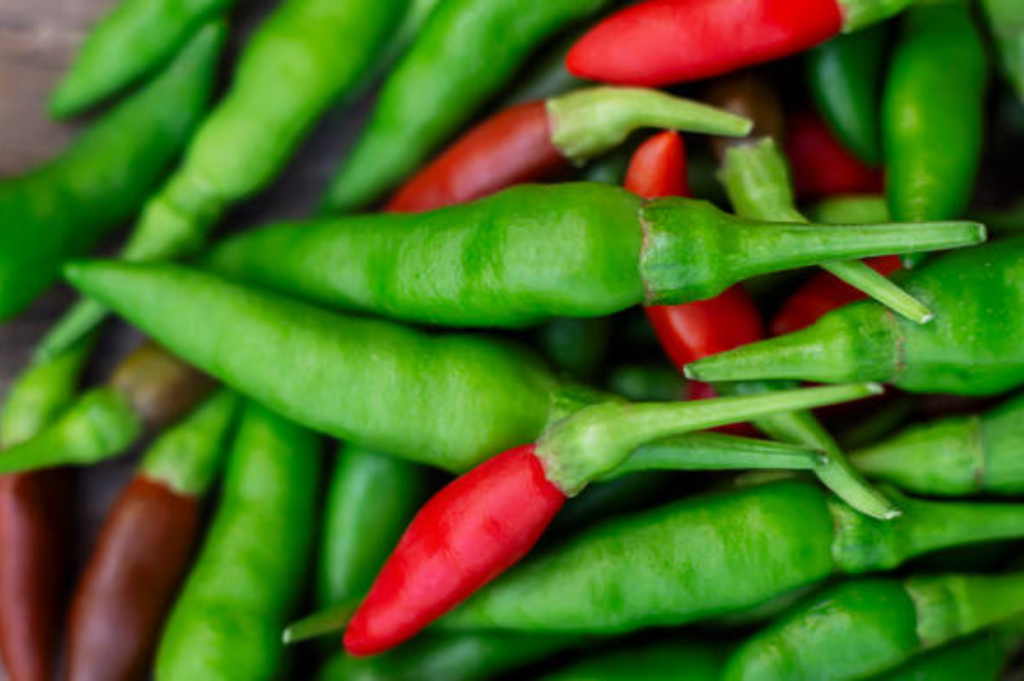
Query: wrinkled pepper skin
(683, 564)
(402, 386)
(955, 456)
(34, 527)
(62, 209)
(932, 112)
(844, 76)
(227, 622)
(667, 661)
(134, 39)
(970, 348)
(465, 53)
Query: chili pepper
(844, 76)
(148, 390)
(661, 42)
(63, 208)
(575, 346)
(821, 167)
(688, 660)
(531, 141)
(604, 250)
(33, 523)
(932, 112)
(1006, 22)
(488, 519)
(868, 626)
(863, 341)
(683, 564)
(144, 549)
(954, 456)
(465, 53)
(124, 47)
(370, 500)
(980, 658)
(227, 622)
(304, 57)
(454, 657)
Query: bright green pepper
(134, 39)
(971, 348)
(667, 661)
(303, 58)
(370, 500)
(533, 252)
(680, 563)
(865, 627)
(1006, 21)
(979, 658)
(932, 112)
(467, 656)
(954, 456)
(466, 51)
(227, 622)
(845, 78)
(65, 207)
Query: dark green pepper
(1006, 21)
(667, 661)
(63, 209)
(979, 658)
(970, 348)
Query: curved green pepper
(971, 348)
(932, 112)
(135, 38)
(227, 622)
(679, 563)
(865, 627)
(845, 78)
(466, 51)
(65, 207)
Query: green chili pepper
(845, 78)
(1006, 21)
(979, 289)
(65, 207)
(480, 264)
(575, 346)
(680, 563)
(227, 621)
(134, 39)
(304, 57)
(453, 657)
(667, 661)
(466, 51)
(954, 456)
(979, 658)
(868, 626)
(932, 112)
(370, 500)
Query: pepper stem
(858, 14)
(589, 122)
(599, 438)
(706, 451)
(328, 621)
(878, 286)
(80, 321)
(98, 426)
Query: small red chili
(821, 166)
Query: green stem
(858, 14)
(326, 621)
(100, 425)
(587, 123)
(599, 438)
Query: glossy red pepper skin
(821, 166)
(823, 293)
(512, 147)
(661, 42)
(33, 518)
(465, 536)
(130, 582)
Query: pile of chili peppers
(623, 319)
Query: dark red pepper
(821, 166)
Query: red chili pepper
(34, 532)
(821, 165)
(822, 294)
(695, 330)
(534, 141)
(487, 520)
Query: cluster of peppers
(278, 335)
